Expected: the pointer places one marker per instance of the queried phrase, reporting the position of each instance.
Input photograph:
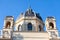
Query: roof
(30, 13)
(50, 17)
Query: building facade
(29, 26)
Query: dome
(30, 13)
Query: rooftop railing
(1, 33)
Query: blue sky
(44, 7)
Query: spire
(29, 6)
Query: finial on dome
(29, 6)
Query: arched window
(8, 24)
(39, 28)
(29, 26)
(51, 25)
(19, 27)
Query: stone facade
(29, 26)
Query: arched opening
(29, 26)
(51, 25)
(39, 28)
(19, 27)
(8, 24)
